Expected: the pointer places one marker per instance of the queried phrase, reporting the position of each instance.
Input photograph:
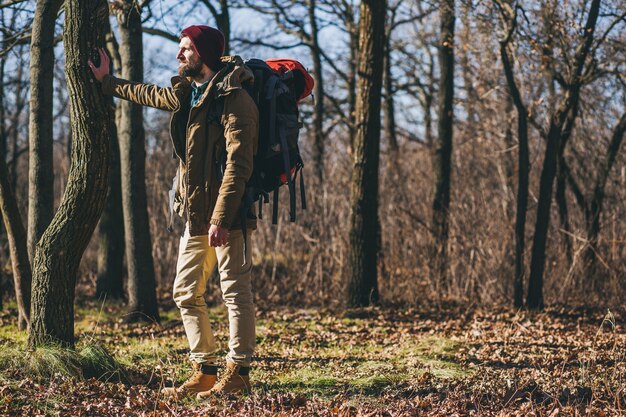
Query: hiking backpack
(279, 85)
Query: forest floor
(318, 362)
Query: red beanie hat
(209, 43)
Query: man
(207, 81)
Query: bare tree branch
(161, 33)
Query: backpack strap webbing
(290, 183)
(275, 207)
(302, 192)
(264, 197)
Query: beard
(191, 69)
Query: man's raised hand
(103, 69)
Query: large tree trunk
(61, 247)
(442, 156)
(40, 165)
(17, 246)
(142, 302)
(364, 223)
(548, 172)
(110, 278)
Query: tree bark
(40, 165)
(110, 277)
(61, 247)
(569, 103)
(443, 146)
(364, 222)
(142, 302)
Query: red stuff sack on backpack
(303, 82)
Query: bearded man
(210, 205)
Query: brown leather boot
(234, 380)
(197, 382)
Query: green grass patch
(97, 362)
(92, 361)
(308, 379)
(437, 346)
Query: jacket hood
(233, 75)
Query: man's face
(189, 62)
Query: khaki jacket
(196, 141)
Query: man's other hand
(218, 236)
(102, 70)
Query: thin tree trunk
(389, 104)
(61, 247)
(318, 92)
(20, 104)
(110, 278)
(16, 236)
(142, 302)
(40, 165)
(223, 24)
(442, 165)
(560, 194)
(428, 104)
(555, 132)
(522, 181)
(471, 99)
(364, 222)
(352, 81)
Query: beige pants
(196, 260)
